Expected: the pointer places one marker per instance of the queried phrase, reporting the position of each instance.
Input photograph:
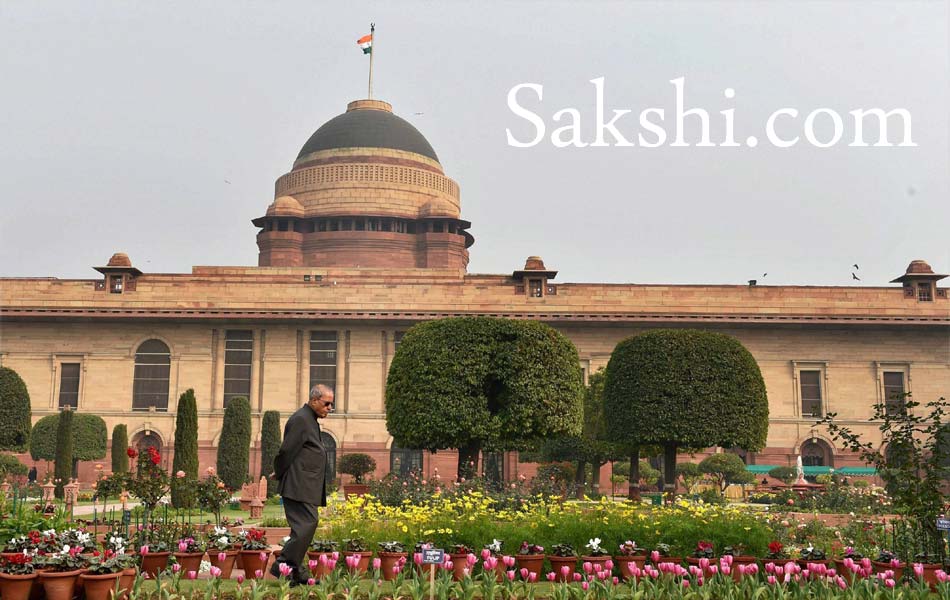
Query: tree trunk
(634, 492)
(579, 479)
(595, 477)
(468, 460)
(669, 471)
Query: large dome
(368, 124)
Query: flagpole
(372, 53)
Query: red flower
(775, 547)
(704, 546)
(155, 459)
(131, 452)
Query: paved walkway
(88, 509)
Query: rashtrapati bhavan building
(365, 237)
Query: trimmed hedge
(15, 412)
(270, 444)
(64, 451)
(120, 445)
(477, 383)
(11, 465)
(234, 445)
(186, 451)
(358, 465)
(90, 437)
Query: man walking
(301, 468)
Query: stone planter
(389, 560)
(557, 562)
(17, 587)
(154, 563)
(189, 561)
(226, 565)
(59, 585)
(533, 562)
(623, 564)
(253, 563)
(99, 587)
(365, 557)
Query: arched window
(403, 461)
(330, 445)
(152, 366)
(816, 453)
(493, 467)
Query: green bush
(726, 468)
(234, 445)
(64, 451)
(784, 474)
(358, 465)
(270, 444)
(15, 412)
(120, 445)
(186, 451)
(11, 465)
(90, 437)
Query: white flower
(495, 545)
(83, 537)
(65, 549)
(220, 530)
(594, 545)
(204, 567)
(49, 532)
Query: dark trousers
(302, 518)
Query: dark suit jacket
(301, 462)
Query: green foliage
(784, 474)
(687, 387)
(234, 445)
(11, 465)
(15, 412)
(357, 465)
(64, 451)
(482, 383)
(270, 444)
(689, 473)
(726, 468)
(120, 443)
(648, 475)
(186, 451)
(90, 437)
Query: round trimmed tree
(89, 437)
(684, 388)
(475, 383)
(120, 446)
(234, 445)
(270, 444)
(64, 451)
(15, 414)
(186, 451)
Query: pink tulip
(192, 574)
(597, 567)
(322, 559)
(584, 586)
(313, 564)
(417, 558)
(577, 577)
(918, 570)
(655, 557)
(215, 572)
(264, 557)
(942, 576)
(511, 575)
(311, 581)
(633, 569)
(331, 564)
(771, 580)
(449, 565)
(727, 559)
(565, 571)
(615, 580)
(895, 564)
(865, 563)
(770, 567)
(285, 569)
(841, 582)
(713, 569)
(471, 559)
(182, 546)
(602, 575)
(890, 582)
(466, 572)
(143, 550)
(726, 570)
(259, 574)
(222, 556)
(397, 569)
(524, 573)
(176, 567)
(377, 563)
(704, 563)
(485, 553)
(240, 579)
(588, 567)
(609, 565)
(685, 583)
(532, 577)
(552, 575)
(508, 560)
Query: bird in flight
(855, 277)
(856, 266)
(227, 182)
(418, 113)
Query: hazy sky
(121, 122)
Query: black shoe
(275, 569)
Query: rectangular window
(397, 339)
(535, 288)
(69, 385)
(893, 391)
(811, 393)
(923, 292)
(323, 356)
(115, 284)
(237, 364)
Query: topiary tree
(270, 444)
(15, 414)
(186, 451)
(11, 465)
(64, 451)
(684, 388)
(120, 444)
(726, 468)
(689, 474)
(90, 437)
(234, 446)
(482, 383)
(356, 464)
(785, 474)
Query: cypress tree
(15, 415)
(186, 451)
(120, 445)
(64, 450)
(234, 446)
(270, 444)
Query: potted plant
(703, 550)
(662, 553)
(221, 552)
(357, 547)
(849, 553)
(531, 557)
(254, 552)
(60, 572)
(777, 554)
(391, 554)
(19, 545)
(811, 555)
(189, 554)
(629, 553)
(738, 557)
(596, 553)
(325, 549)
(888, 561)
(358, 466)
(17, 576)
(563, 561)
(102, 576)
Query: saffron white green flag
(366, 43)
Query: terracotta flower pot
(253, 563)
(676, 560)
(321, 570)
(355, 489)
(557, 562)
(226, 565)
(126, 580)
(189, 561)
(59, 585)
(804, 563)
(880, 567)
(596, 560)
(154, 563)
(389, 560)
(533, 562)
(16, 587)
(365, 557)
(99, 587)
(741, 560)
(623, 563)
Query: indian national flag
(366, 43)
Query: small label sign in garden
(943, 524)
(432, 557)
